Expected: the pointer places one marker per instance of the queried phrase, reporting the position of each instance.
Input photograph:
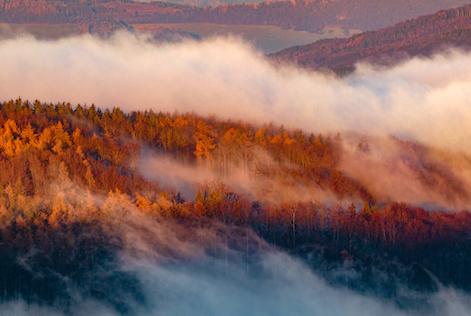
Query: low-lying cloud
(285, 287)
(426, 100)
(249, 180)
(179, 276)
(391, 171)
(399, 171)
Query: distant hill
(314, 16)
(207, 3)
(421, 36)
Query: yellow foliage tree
(205, 140)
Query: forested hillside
(71, 173)
(107, 15)
(419, 37)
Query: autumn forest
(71, 173)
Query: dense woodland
(66, 170)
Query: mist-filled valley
(202, 177)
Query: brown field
(43, 31)
(265, 37)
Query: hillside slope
(422, 36)
(312, 16)
(76, 179)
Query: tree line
(57, 159)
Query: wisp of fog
(427, 100)
(424, 100)
(181, 276)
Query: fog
(288, 289)
(394, 170)
(194, 271)
(283, 287)
(425, 100)
(221, 270)
(390, 169)
(247, 180)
